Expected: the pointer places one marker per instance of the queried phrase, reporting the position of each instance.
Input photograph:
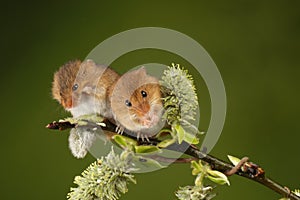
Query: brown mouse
(63, 82)
(83, 87)
(136, 103)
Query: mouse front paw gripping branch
(141, 121)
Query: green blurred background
(255, 45)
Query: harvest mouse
(83, 87)
(136, 103)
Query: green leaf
(234, 160)
(163, 131)
(217, 177)
(147, 162)
(218, 180)
(91, 117)
(182, 135)
(124, 142)
(179, 132)
(146, 149)
(190, 138)
(197, 167)
(166, 142)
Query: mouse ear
(86, 66)
(89, 63)
(141, 71)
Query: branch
(223, 166)
(247, 169)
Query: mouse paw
(120, 129)
(142, 136)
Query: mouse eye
(128, 103)
(144, 94)
(75, 87)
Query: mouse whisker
(137, 109)
(153, 101)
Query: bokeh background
(255, 45)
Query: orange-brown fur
(63, 81)
(93, 81)
(145, 112)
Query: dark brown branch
(223, 166)
(60, 125)
(245, 169)
(171, 160)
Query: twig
(60, 125)
(245, 169)
(223, 166)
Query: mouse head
(136, 101)
(87, 79)
(75, 82)
(63, 83)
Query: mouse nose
(142, 110)
(67, 103)
(145, 107)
